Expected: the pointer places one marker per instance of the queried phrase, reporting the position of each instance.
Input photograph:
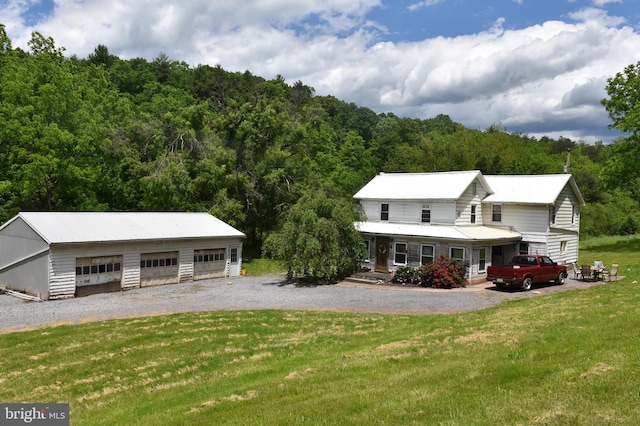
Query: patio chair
(585, 272)
(613, 272)
(577, 273)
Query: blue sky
(536, 67)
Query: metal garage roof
(84, 227)
(420, 186)
(444, 232)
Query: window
(384, 212)
(206, 256)
(545, 261)
(400, 254)
(552, 215)
(234, 255)
(482, 261)
(563, 247)
(473, 214)
(456, 254)
(426, 216)
(523, 248)
(427, 254)
(474, 188)
(496, 213)
(97, 265)
(573, 215)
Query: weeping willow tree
(317, 241)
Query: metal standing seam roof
(529, 189)
(445, 232)
(420, 186)
(85, 227)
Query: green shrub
(406, 275)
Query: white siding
(130, 269)
(63, 260)
(567, 210)
(468, 199)
(186, 263)
(62, 274)
(411, 211)
(570, 255)
(521, 217)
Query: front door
(382, 254)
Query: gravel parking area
(264, 292)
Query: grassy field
(568, 358)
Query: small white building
(55, 255)
(414, 218)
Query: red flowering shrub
(443, 273)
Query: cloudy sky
(534, 66)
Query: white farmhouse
(414, 218)
(65, 254)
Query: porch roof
(440, 232)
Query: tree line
(103, 133)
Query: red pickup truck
(525, 270)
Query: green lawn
(568, 358)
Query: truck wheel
(561, 278)
(527, 283)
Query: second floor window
(426, 215)
(496, 213)
(384, 212)
(473, 214)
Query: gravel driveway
(264, 292)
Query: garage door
(98, 274)
(210, 263)
(159, 268)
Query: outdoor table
(597, 273)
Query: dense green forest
(102, 133)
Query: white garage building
(56, 255)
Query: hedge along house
(66, 254)
(414, 218)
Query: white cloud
(543, 78)
(425, 3)
(601, 3)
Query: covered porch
(391, 245)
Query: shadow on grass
(624, 246)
